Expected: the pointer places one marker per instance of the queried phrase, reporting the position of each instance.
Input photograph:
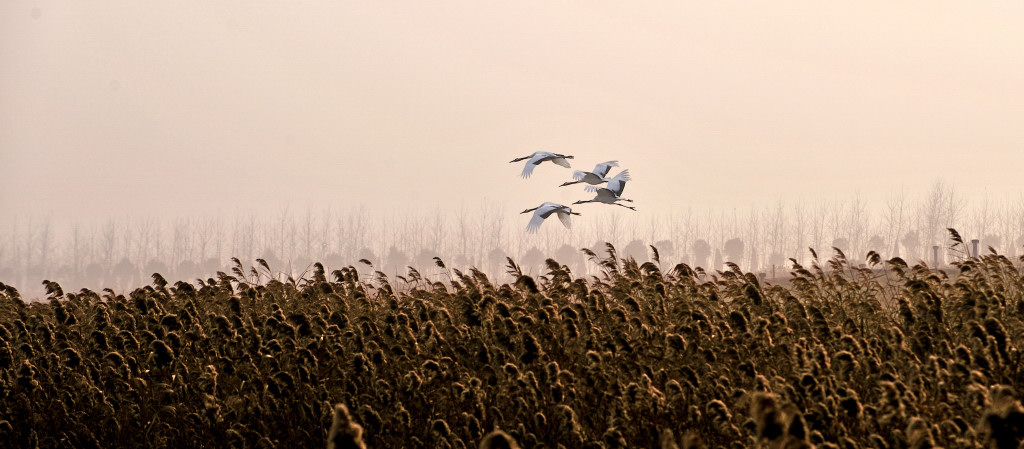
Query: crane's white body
(542, 212)
(595, 177)
(536, 158)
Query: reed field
(642, 355)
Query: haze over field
(169, 109)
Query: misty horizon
(123, 252)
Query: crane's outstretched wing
(528, 169)
(535, 222)
(603, 168)
(577, 175)
(564, 217)
(618, 183)
(561, 161)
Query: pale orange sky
(128, 107)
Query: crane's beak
(525, 211)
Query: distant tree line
(123, 253)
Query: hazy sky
(129, 107)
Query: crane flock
(610, 193)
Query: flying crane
(544, 211)
(612, 193)
(538, 157)
(607, 197)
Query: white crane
(612, 193)
(538, 157)
(592, 177)
(544, 211)
(608, 197)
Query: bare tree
(76, 251)
(955, 206)
(680, 227)
(343, 238)
(614, 227)
(799, 232)
(1007, 228)
(145, 230)
(109, 242)
(498, 231)
(282, 235)
(437, 231)
(857, 222)
(307, 235)
(777, 234)
(249, 236)
(1011, 228)
(981, 219)
(45, 242)
(481, 231)
(1018, 220)
(204, 236)
(27, 254)
(753, 239)
(179, 233)
(837, 227)
(462, 223)
(327, 245)
(939, 209)
(818, 225)
(894, 221)
(127, 238)
(217, 228)
(357, 223)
